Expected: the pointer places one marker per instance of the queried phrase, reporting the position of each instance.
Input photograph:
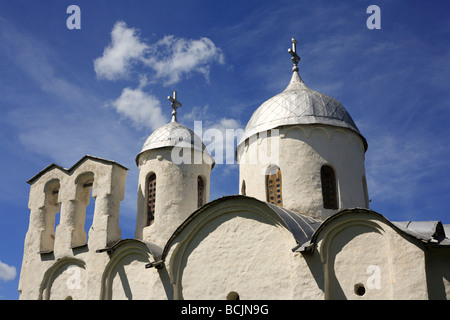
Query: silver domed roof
(298, 104)
(171, 135)
(174, 134)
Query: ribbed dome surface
(173, 134)
(298, 104)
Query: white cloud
(170, 58)
(143, 109)
(227, 123)
(117, 58)
(194, 113)
(7, 272)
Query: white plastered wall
(361, 249)
(51, 254)
(242, 246)
(302, 151)
(238, 246)
(127, 278)
(176, 192)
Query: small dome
(171, 135)
(298, 104)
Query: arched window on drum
(200, 191)
(151, 198)
(274, 186)
(329, 190)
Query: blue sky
(102, 89)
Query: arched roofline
(50, 274)
(123, 242)
(302, 227)
(73, 168)
(426, 232)
(117, 252)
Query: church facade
(300, 229)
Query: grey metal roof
(306, 229)
(173, 134)
(427, 231)
(447, 230)
(298, 104)
(302, 227)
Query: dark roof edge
(292, 220)
(435, 234)
(72, 169)
(112, 247)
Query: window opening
(85, 208)
(233, 296)
(200, 191)
(328, 187)
(51, 209)
(359, 289)
(274, 187)
(90, 207)
(151, 192)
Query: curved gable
(302, 227)
(125, 275)
(235, 244)
(423, 232)
(366, 256)
(65, 279)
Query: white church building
(300, 229)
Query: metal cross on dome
(295, 58)
(175, 105)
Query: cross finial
(295, 58)
(175, 105)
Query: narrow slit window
(274, 187)
(200, 191)
(243, 191)
(329, 191)
(151, 192)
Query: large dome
(298, 104)
(171, 135)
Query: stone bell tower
(51, 247)
(174, 179)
